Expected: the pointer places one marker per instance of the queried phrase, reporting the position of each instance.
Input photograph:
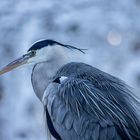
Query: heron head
(41, 51)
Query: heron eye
(33, 53)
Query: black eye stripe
(42, 44)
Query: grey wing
(79, 111)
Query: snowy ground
(110, 30)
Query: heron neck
(42, 73)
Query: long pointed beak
(18, 62)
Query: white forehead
(47, 53)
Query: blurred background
(109, 29)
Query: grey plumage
(91, 105)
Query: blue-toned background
(109, 29)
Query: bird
(81, 102)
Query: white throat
(44, 71)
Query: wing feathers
(86, 112)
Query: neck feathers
(42, 73)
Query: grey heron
(81, 102)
